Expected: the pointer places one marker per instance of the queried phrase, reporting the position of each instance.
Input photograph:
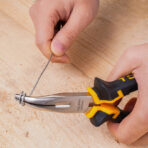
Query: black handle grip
(108, 91)
(101, 117)
(121, 116)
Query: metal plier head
(62, 102)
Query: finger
(44, 35)
(143, 141)
(63, 59)
(75, 24)
(44, 27)
(45, 48)
(125, 65)
(131, 128)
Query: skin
(134, 128)
(46, 13)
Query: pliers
(97, 103)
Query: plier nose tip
(21, 97)
(52, 103)
(44, 101)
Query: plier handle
(105, 95)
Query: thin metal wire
(40, 75)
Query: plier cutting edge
(97, 103)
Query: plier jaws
(62, 102)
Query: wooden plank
(19, 11)
(118, 25)
(24, 126)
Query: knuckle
(70, 35)
(128, 53)
(132, 53)
(39, 43)
(89, 14)
(52, 18)
(88, 11)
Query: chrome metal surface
(21, 98)
(63, 102)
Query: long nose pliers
(97, 103)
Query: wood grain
(118, 25)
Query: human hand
(46, 13)
(134, 128)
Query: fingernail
(63, 59)
(57, 48)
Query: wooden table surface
(118, 25)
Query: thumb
(77, 21)
(127, 63)
(130, 129)
(133, 126)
